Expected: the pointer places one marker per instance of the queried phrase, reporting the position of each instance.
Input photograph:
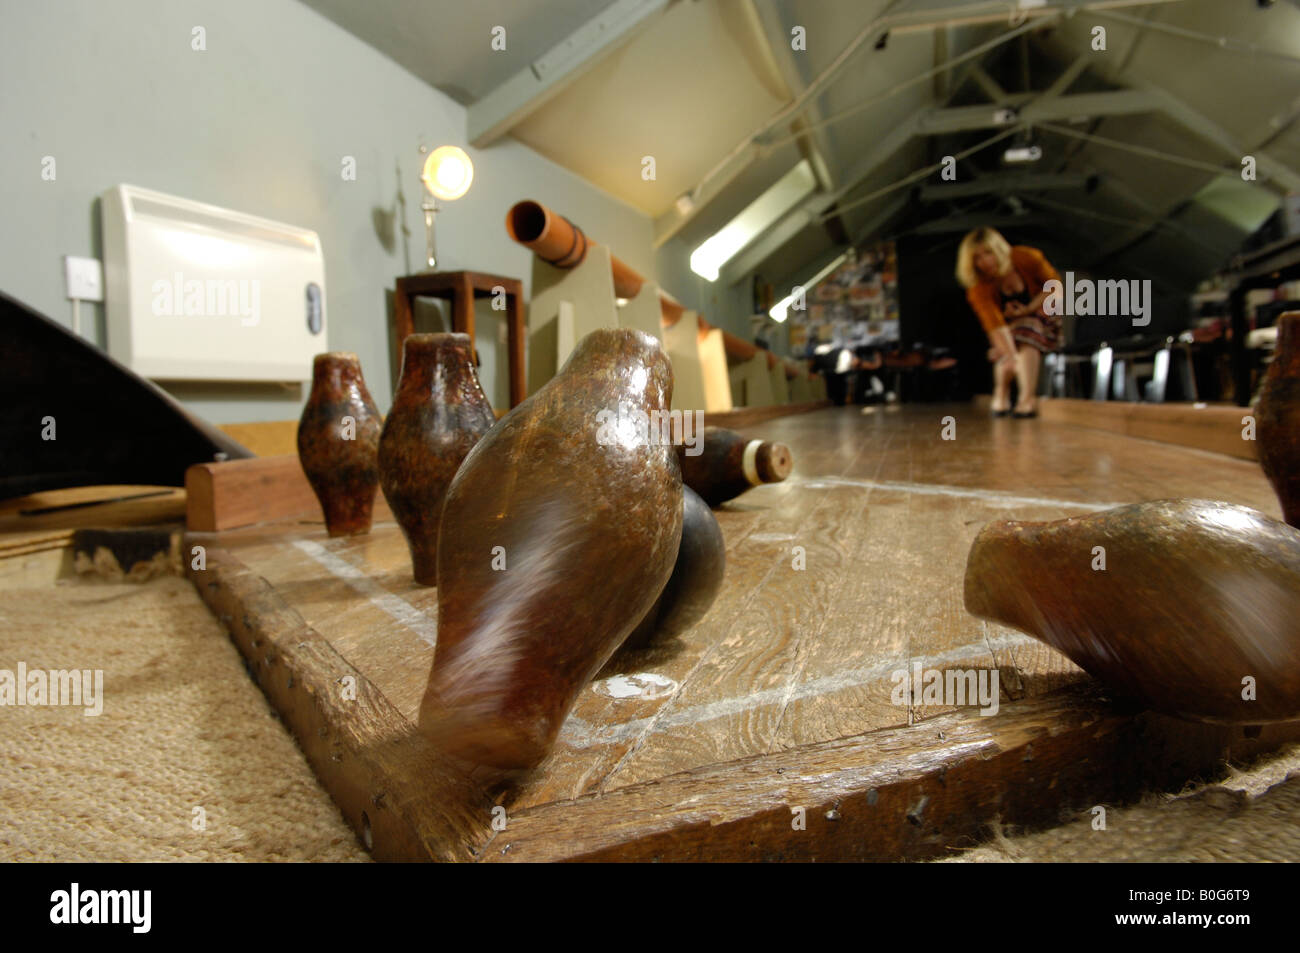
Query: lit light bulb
(448, 172)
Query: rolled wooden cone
(559, 242)
(1198, 604)
(1277, 417)
(728, 464)
(697, 576)
(338, 443)
(559, 531)
(439, 412)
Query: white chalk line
(939, 489)
(579, 734)
(652, 725)
(396, 607)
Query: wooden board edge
(404, 801)
(22, 544)
(233, 494)
(200, 506)
(750, 416)
(900, 794)
(1213, 428)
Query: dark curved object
(696, 579)
(728, 465)
(109, 424)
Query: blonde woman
(1004, 286)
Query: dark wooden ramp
(772, 729)
(71, 416)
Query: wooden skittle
(729, 465)
(558, 534)
(338, 443)
(697, 576)
(1277, 416)
(1195, 597)
(439, 412)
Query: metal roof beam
(1283, 177)
(1004, 184)
(988, 84)
(964, 223)
(1039, 108)
(770, 241)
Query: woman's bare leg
(1030, 358)
(1004, 372)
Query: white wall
(259, 122)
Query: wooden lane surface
(883, 509)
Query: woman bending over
(1004, 286)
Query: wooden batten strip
(221, 496)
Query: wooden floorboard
(790, 662)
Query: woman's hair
(989, 238)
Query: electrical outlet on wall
(83, 278)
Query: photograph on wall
(856, 305)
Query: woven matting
(184, 727)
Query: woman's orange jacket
(985, 296)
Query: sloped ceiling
(703, 78)
(447, 43)
(694, 78)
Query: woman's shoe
(1024, 414)
(1001, 413)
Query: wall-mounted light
(447, 175)
(756, 217)
(781, 310)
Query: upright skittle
(338, 443)
(439, 412)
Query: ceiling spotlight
(1017, 154)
